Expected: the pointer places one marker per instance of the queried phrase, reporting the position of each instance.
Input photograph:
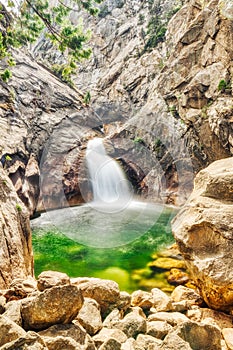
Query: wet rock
(96, 288)
(177, 277)
(142, 299)
(203, 230)
(158, 329)
(228, 337)
(59, 304)
(9, 330)
(89, 316)
(167, 264)
(49, 279)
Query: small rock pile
(59, 313)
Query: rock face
(170, 118)
(204, 232)
(15, 235)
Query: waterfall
(109, 184)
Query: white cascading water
(109, 184)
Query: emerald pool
(126, 263)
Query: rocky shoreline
(55, 312)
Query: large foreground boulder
(203, 230)
(16, 257)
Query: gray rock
(132, 324)
(158, 329)
(55, 305)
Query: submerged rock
(203, 230)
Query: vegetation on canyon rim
(24, 23)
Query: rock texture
(131, 328)
(162, 104)
(15, 235)
(204, 232)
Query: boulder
(29, 341)
(148, 342)
(59, 304)
(228, 337)
(173, 318)
(105, 292)
(203, 230)
(60, 343)
(16, 258)
(89, 316)
(158, 329)
(161, 300)
(200, 336)
(72, 331)
(111, 344)
(132, 325)
(49, 279)
(9, 330)
(182, 293)
(107, 333)
(13, 311)
(22, 287)
(142, 299)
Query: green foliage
(87, 98)
(8, 158)
(38, 16)
(224, 85)
(18, 207)
(138, 140)
(158, 143)
(156, 31)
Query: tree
(24, 23)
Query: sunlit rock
(203, 230)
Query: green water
(55, 251)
